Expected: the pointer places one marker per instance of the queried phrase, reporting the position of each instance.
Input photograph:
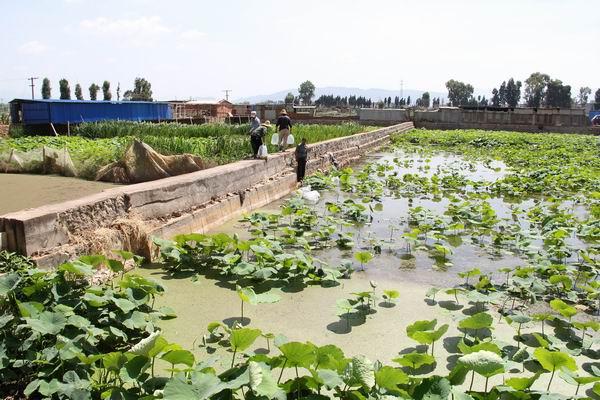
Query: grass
(98, 144)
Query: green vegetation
(551, 299)
(99, 144)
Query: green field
(98, 144)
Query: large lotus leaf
(415, 360)
(243, 268)
(563, 308)
(477, 321)
(459, 394)
(77, 268)
(417, 326)
(299, 354)
(124, 304)
(179, 357)
(428, 337)
(8, 282)
(262, 251)
(93, 260)
(522, 383)
(518, 318)
(47, 323)
(330, 378)
(363, 257)
(144, 346)
(134, 368)
(204, 386)
(484, 362)
(328, 357)
(470, 273)
(563, 280)
(554, 360)
(489, 346)
(243, 338)
(434, 388)
(266, 298)
(262, 382)
(389, 378)
(596, 389)
(265, 273)
(359, 372)
(30, 308)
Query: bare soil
(21, 191)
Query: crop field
(96, 145)
(453, 265)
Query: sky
(199, 48)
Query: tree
(557, 94)
(142, 91)
(307, 92)
(502, 93)
(495, 98)
(597, 100)
(78, 93)
(513, 92)
(94, 91)
(46, 89)
(535, 89)
(425, 100)
(289, 98)
(118, 91)
(65, 89)
(106, 94)
(582, 97)
(459, 93)
(408, 101)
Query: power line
(227, 93)
(32, 86)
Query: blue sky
(197, 48)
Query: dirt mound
(141, 163)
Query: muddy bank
(22, 191)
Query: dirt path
(20, 191)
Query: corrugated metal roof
(85, 101)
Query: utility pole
(32, 85)
(401, 89)
(227, 93)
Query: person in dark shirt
(284, 128)
(301, 156)
(257, 135)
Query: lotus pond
(457, 264)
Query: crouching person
(257, 137)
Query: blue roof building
(62, 112)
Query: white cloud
(33, 47)
(192, 35)
(137, 31)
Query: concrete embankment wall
(128, 217)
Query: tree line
(539, 90)
(142, 91)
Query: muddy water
(21, 191)
(309, 314)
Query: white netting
(44, 160)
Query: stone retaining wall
(589, 130)
(127, 217)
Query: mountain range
(373, 94)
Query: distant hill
(374, 94)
